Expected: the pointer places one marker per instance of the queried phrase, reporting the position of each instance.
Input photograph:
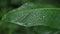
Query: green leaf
(28, 6)
(56, 3)
(31, 5)
(44, 30)
(34, 17)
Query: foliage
(29, 16)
